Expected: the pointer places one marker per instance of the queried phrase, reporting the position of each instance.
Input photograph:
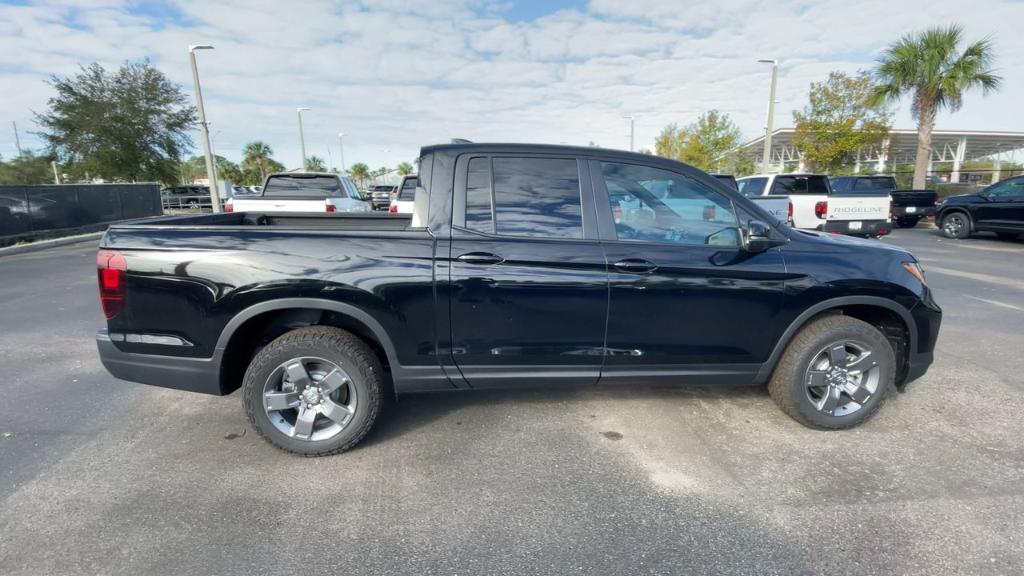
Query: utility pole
(17, 141)
(341, 145)
(766, 158)
(204, 128)
(302, 137)
(56, 178)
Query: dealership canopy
(900, 147)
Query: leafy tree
(840, 119)
(315, 164)
(703, 144)
(257, 162)
(360, 173)
(27, 168)
(126, 126)
(930, 66)
(405, 169)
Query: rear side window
(408, 191)
(303, 187)
(532, 197)
(785, 185)
(873, 184)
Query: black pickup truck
(521, 265)
(908, 206)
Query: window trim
(588, 213)
(609, 234)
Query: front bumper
(873, 228)
(927, 316)
(190, 374)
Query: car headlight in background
(915, 270)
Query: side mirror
(759, 236)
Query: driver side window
(655, 205)
(1008, 189)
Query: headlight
(915, 270)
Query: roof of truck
(535, 148)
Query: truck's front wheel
(314, 391)
(835, 373)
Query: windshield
(751, 187)
(303, 186)
(786, 184)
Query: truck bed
(339, 220)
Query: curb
(44, 244)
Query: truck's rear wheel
(314, 391)
(835, 373)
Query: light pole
(631, 132)
(341, 148)
(302, 138)
(766, 158)
(211, 175)
(213, 152)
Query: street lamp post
(302, 138)
(341, 148)
(766, 158)
(631, 132)
(204, 128)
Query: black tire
(907, 222)
(789, 385)
(955, 224)
(334, 345)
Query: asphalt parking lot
(105, 477)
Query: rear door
(529, 285)
(685, 299)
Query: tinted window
(478, 195)
(1007, 188)
(785, 185)
(884, 184)
(408, 191)
(726, 179)
(654, 205)
(537, 197)
(303, 186)
(752, 187)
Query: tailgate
(778, 206)
(844, 208)
(279, 204)
(919, 198)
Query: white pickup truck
(811, 205)
(302, 192)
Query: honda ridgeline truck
(521, 265)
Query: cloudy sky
(396, 74)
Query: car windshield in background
(408, 191)
(304, 186)
(752, 187)
(786, 184)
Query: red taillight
(709, 213)
(111, 269)
(821, 209)
(789, 213)
(331, 207)
(935, 198)
(617, 213)
(229, 207)
(393, 209)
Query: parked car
(191, 197)
(521, 265)
(998, 208)
(302, 192)
(908, 206)
(381, 195)
(403, 202)
(813, 206)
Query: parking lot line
(996, 303)
(989, 278)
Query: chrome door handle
(480, 258)
(635, 265)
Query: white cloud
(398, 74)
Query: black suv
(998, 208)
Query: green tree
(930, 66)
(703, 144)
(257, 162)
(28, 168)
(130, 125)
(315, 164)
(360, 173)
(405, 169)
(841, 118)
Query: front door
(686, 302)
(1003, 209)
(529, 285)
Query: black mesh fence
(28, 210)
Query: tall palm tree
(930, 66)
(256, 156)
(360, 173)
(405, 169)
(315, 164)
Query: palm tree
(315, 164)
(405, 169)
(256, 156)
(360, 173)
(930, 66)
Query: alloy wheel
(309, 399)
(842, 378)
